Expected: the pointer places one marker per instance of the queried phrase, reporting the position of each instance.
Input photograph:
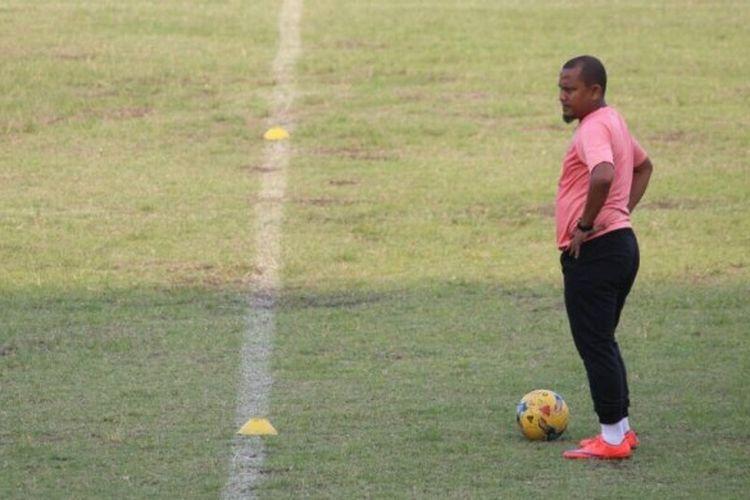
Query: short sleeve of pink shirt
(595, 146)
(602, 136)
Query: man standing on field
(604, 174)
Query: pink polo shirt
(602, 136)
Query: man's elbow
(645, 166)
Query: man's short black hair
(592, 71)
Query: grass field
(421, 289)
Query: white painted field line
(255, 384)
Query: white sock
(625, 424)
(612, 433)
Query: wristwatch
(583, 228)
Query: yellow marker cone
(257, 427)
(276, 134)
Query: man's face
(577, 100)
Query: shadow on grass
(412, 391)
(386, 392)
(127, 393)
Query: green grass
(117, 394)
(410, 393)
(422, 293)
(129, 132)
(423, 288)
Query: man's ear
(596, 92)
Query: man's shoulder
(603, 115)
(603, 120)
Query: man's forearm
(599, 184)
(641, 176)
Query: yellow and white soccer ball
(542, 415)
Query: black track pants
(596, 285)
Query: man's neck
(601, 104)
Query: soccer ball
(542, 415)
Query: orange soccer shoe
(599, 449)
(631, 437)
